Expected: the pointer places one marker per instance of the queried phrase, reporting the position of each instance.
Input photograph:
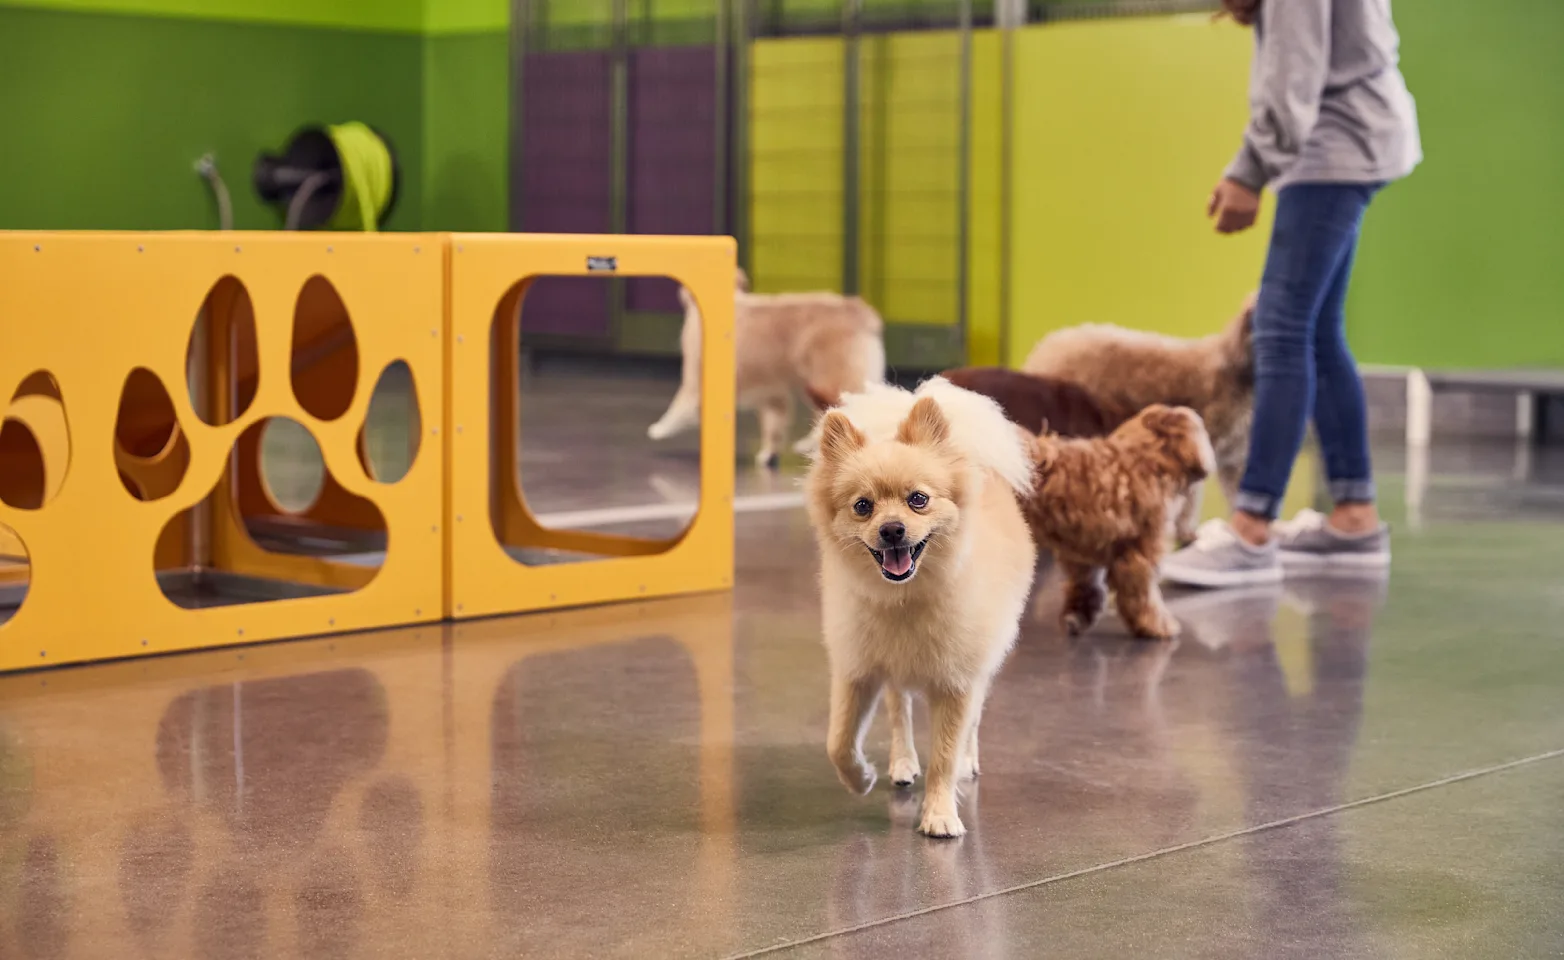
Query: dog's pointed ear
(925, 425)
(838, 436)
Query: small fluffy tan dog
(1128, 370)
(820, 345)
(1101, 506)
(926, 565)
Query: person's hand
(1234, 206)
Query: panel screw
(460, 339)
(458, 428)
(332, 622)
(140, 248)
(43, 653)
(241, 633)
(331, 250)
(458, 518)
(417, 612)
(418, 249)
(143, 643)
(37, 248)
(237, 249)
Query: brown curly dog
(1101, 506)
(1128, 370)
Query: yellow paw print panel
(143, 373)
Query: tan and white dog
(925, 567)
(820, 345)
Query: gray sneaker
(1220, 558)
(1307, 544)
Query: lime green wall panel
(394, 15)
(1121, 128)
(984, 240)
(909, 167)
(105, 115)
(1459, 265)
(796, 164)
(466, 123)
(466, 16)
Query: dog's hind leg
(819, 401)
(969, 759)
(1229, 475)
(682, 414)
(776, 413)
(1133, 578)
(1084, 597)
(852, 707)
(904, 751)
(1188, 519)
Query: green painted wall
(406, 16)
(104, 114)
(466, 122)
(1459, 265)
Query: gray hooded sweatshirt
(1327, 102)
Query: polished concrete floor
(1329, 769)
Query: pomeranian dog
(1102, 505)
(820, 345)
(926, 564)
(1128, 370)
(1040, 404)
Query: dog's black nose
(892, 533)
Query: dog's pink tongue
(898, 560)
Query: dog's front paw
(904, 770)
(1157, 625)
(768, 460)
(1075, 623)
(941, 824)
(857, 775)
(659, 431)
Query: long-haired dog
(1040, 404)
(925, 567)
(819, 345)
(1101, 506)
(1128, 370)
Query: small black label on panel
(598, 264)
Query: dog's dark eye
(863, 507)
(917, 500)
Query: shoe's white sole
(1224, 578)
(1347, 564)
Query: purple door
(566, 179)
(672, 154)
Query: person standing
(1331, 123)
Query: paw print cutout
(263, 472)
(277, 496)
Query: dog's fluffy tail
(979, 429)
